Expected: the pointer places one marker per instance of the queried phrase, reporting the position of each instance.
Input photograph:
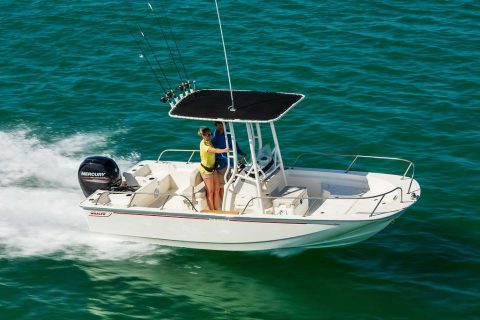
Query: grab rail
(155, 194)
(382, 195)
(356, 156)
(178, 150)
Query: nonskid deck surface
(311, 194)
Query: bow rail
(355, 157)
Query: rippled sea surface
(389, 78)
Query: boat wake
(39, 197)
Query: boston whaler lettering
(266, 204)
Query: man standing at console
(218, 141)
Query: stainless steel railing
(192, 153)
(157, 195)
(381, 196)
(411, 165)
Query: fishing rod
(176, 46)
(154, 55)
(166, 41)
(144, 57)
(168, 94)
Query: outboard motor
(98, 172)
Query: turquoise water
(389, 78)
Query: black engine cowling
(98, 172)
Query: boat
(266, 204)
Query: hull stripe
(205, 218)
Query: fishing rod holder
(168, 96)
(185, 86)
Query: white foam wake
(39, 197)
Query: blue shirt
(218, 141)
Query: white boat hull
(204, 231)
(161, 211)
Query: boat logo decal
(93, 174)
(100, 214)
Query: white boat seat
(274, 183)
(185, 175)
(153, 193)
(291, 200)
(189, 185)
(143, 171)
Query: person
(208, 167)
(218, 140)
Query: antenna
(232, 107)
